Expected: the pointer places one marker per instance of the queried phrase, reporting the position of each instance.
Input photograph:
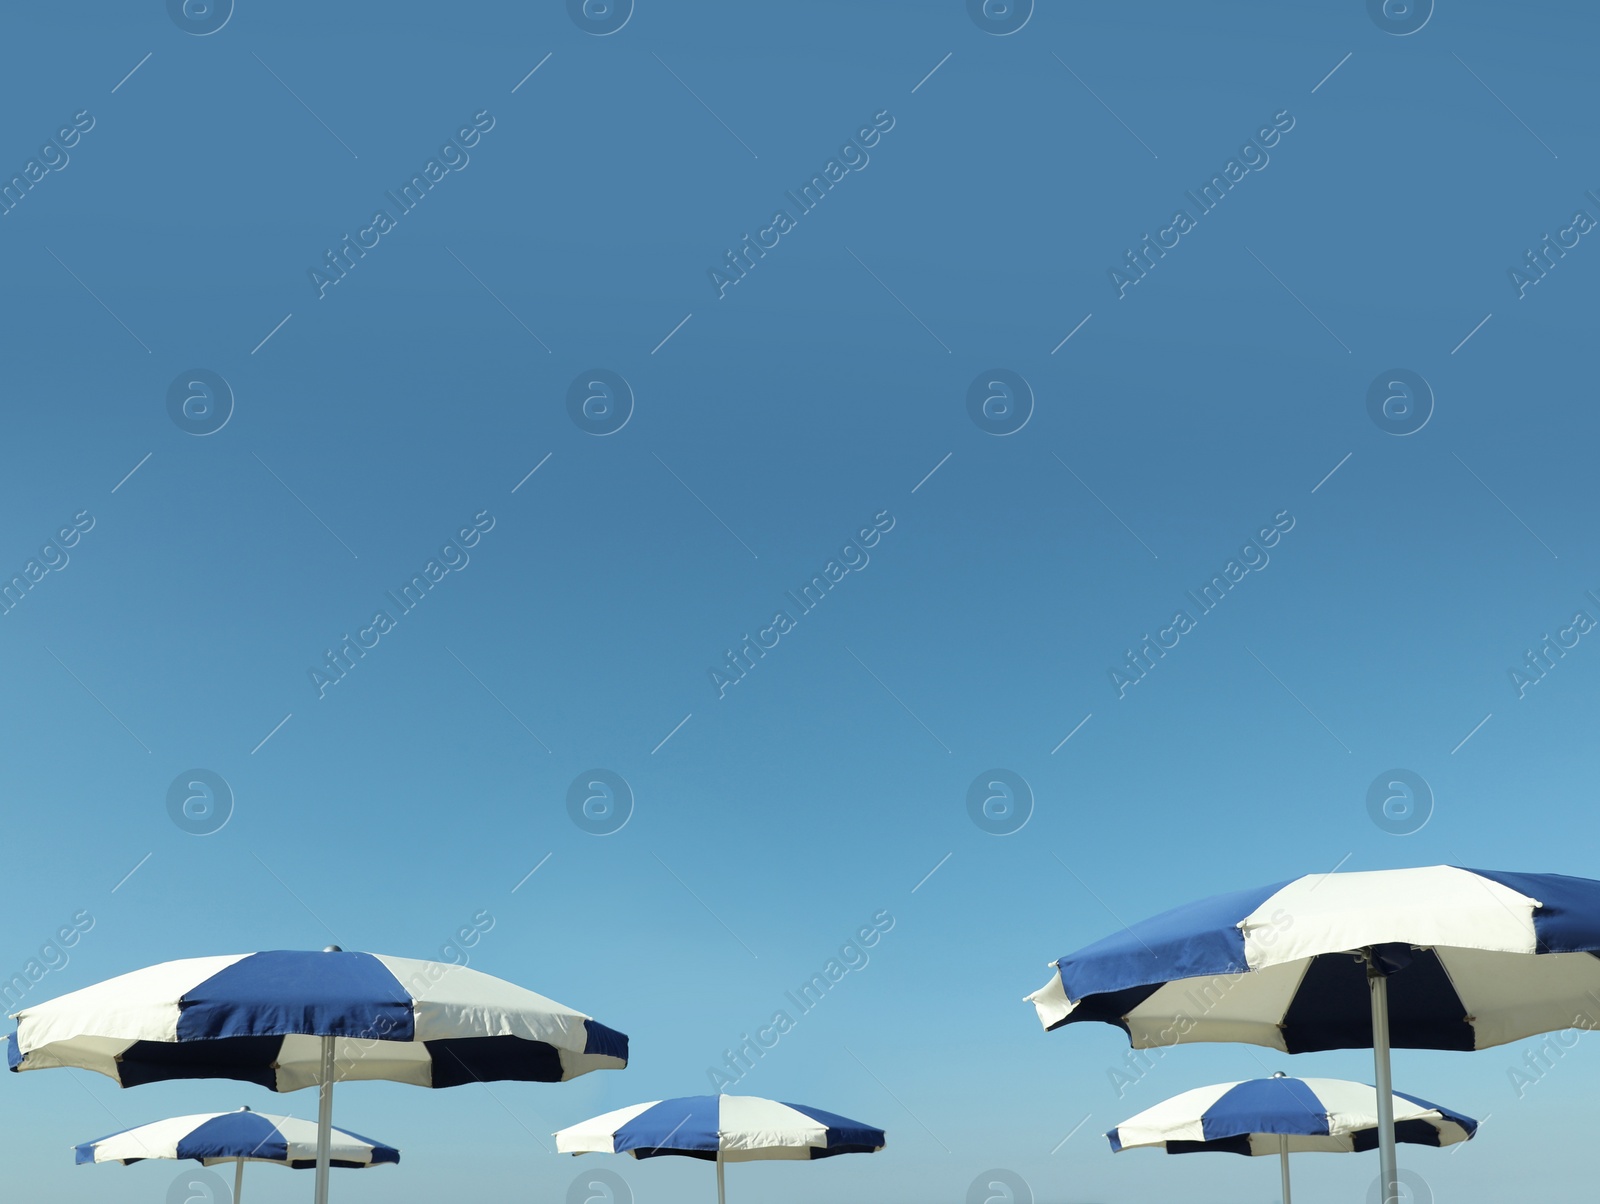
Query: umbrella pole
(324, 1120)
(1388, 1176)
(238, 1179)
(1283, 1158)
(721, 1198)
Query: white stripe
(1180, 1118)
(160, 1139)
(1436, 906)
(756, 1129)
(597, 1135)
(104, 1019)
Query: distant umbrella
(215, 1138)
(1285, 1116)
(290, 1019)
(721, 1128)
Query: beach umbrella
(1283, 1116)
(289, 1019)
(1430, 958)
(214, 1138)
(721, 1128)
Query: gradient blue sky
(773, 423)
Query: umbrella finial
(244, 1107)
(332, 949)
(1278, 1074)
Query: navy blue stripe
(1223, 1145)
(691, 1123)
(603, 1040)
(1283, 1106)
(1195, 940)
(246, 1059)
(1332, 1009)
(293, 991)
(460, 1060)
(845, 1136)
(234, 1135)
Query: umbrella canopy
(289, 1019)
(238, 1137)
(1431, 958)
(259, 1017)
(213, 1138)
(1286, 1116)
(721, 1128)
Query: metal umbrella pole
(238, 1179)
(1283, 1159)
(324, 1120)
(1388, 1175)
(721, 1197)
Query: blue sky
(825, 391)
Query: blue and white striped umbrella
(290, 1019)
(1431, 958)
(721, 1128)
(1285, 1116)
(215, 1138)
